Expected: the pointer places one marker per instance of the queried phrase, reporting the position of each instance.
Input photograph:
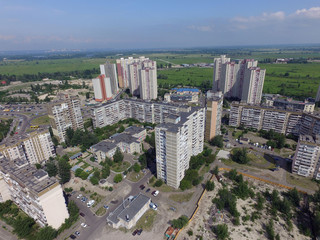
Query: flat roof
(130, 207)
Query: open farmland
(297, 80)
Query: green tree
(47, 233)
(118, 156)
(158, 183)
(270, 230)
(216, 170)
(23, 226)
(136, 167)
(209, 185)
(143, 160)
(185, 184)
(240, 156)
(94, 180)
(121, 129)
(51, 168)
(221, 231)
(64, 171)
(180, 222)
(117, 178)
(217, 141)
(105, 172)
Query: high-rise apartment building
(240, 79)
(148, 83)
(102, 88)
(35, 147)
(140, 75)
(179, 138)
(33, 191)
(109, 70)
(306, 161)
(318, 95)
(266, 118)
(144, 111)
(213, 114)
(65, 114)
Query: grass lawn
(101, 211)
(242, 167)
(237, 134)
(258, 161)
(165, 188)
(96, 197)
(120, 167)
(135, 177)
(180, 198)
(300, 181)
(43, 120)
(146, 221)
(204, 170)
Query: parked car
(139, 231)
(83, 225)
(82, 214)
(135, 232)
(106, 207)
(155, 193)
(148, 190)
(72, 236)
(77, 233)
(142, 187)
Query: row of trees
(4, 128)
(59, 166)
(79, 137)
(276, 140)
(192, 177)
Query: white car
(156, 193)
(83, 225)
(79, 196)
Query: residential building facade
(213, 114)
(306, 161)
(240, 79)
(144, 111)
(109, 70)
(179, 138)
(35, 147)
(266, 118)
(33, 191)
(65, 114)
(102, 88)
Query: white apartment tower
(65, 114)
(33, 191)
(240, 79)
(306, 161)
(148, 83)
(177, 140)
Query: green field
(49, 66)
(186, 76)
(302, 80)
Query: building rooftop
(134, 130)
(186, 89)
(124, 137)
(79, 154)
(104, 146)
(128, 209)
(27, 175)
(309, 139)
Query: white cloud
(201, 28)
(276, 16)
(6, 37)
(313, 13)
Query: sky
(131, 24)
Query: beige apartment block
(33, 191)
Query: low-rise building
(129, 212)
(33, 191)
(128, 142)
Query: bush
(209, 185)
(110, 189)
(158, 183)
(82, 189)
(190, 232)
(117, 178)
(180, 222)
(221, 231)
(270, 230)
(70, 189)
